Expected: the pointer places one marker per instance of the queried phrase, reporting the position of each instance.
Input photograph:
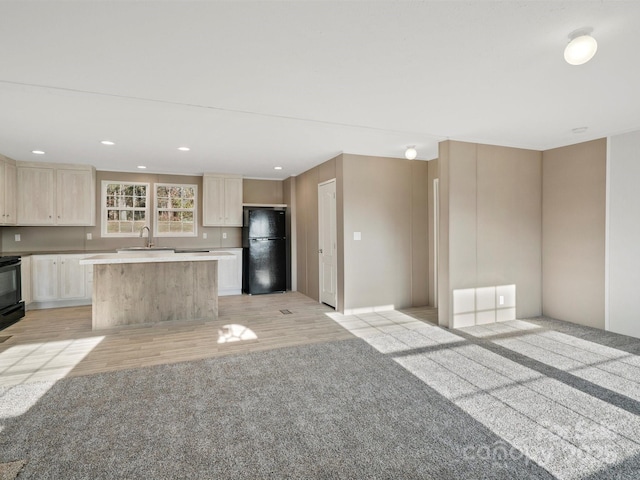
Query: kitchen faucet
(149, 244)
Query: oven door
(10, 291)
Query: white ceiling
(252, 85)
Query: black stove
(11, 304)
(9, 260)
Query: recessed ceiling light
(37, 152)
(277, 168)
(184, 149)
(107, 142)
(141, 167)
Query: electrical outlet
(224, 235)
(204, 235)
(17, 237)
(89, 236)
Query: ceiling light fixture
(107, 142)
(184, 149)
(579, 130)
(142, 167)
(411, 153)
(38, 152)
(277, 168)
(581, 47)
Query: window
(175, 211)
(125, 208)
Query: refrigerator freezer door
(264, 223)
(265, 266)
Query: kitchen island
(153, 287)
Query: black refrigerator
(265, 251)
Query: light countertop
(155, 257)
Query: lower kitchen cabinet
(230, 273)
(25, 279)
(60, 280)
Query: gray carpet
(333, 410)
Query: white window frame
(104, 210)
(193, 210)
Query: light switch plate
(89, 236)
(204, 235)
(17, 237)
(357, 235)
(224, 234)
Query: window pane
(176, 203)
(188, 192)
(188, 203)
(163, 203)
(141, 190)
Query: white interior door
(327, 243)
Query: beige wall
(386, 200)
(42, 239)
(263, 191)
(306, 226)
(490, 231)
(289, 197)
(573, 249)
(431, 231)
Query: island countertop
(155, 257)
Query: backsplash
(45, 239)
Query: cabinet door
(212, 201)
(44, 276)
(233, 202)
(10, 194)
(74, 196)
(72, 277)
(230, 274)
(35, 196)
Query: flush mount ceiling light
(411, 153)
(107, 142)
(184, 149)
(581, 47)
(37, 152)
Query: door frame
(335, 249)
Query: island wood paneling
(139, 293)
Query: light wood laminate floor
(50, 344)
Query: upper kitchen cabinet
(56, 194)
(8, 181)
(221, 200)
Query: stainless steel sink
(146, 249)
